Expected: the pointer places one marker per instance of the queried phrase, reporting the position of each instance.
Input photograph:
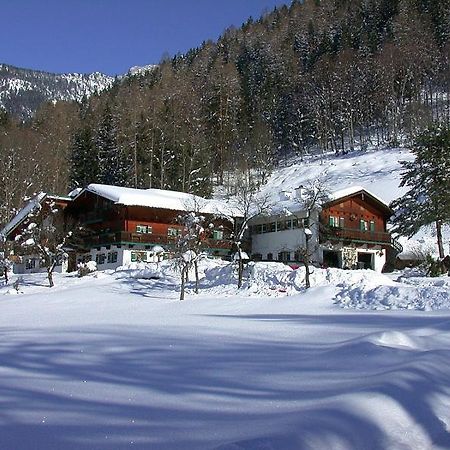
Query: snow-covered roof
(23, 214)
(32, 205)
(66, 198)
(289, 203)
(351, 191)
(159, 198)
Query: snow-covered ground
(115, 361)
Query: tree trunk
(439, 239)
(183, 282)
(240, 269)
(196, 276)
(50, 276)
(307, 274)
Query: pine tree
(113, 164)
(84, 165)
(428, 180)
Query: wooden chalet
(41, 205)
(349, 231)
(124, 225)
(353, 230)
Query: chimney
(285, 195)
(299, 192)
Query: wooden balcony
(359, 236)
(126, 237)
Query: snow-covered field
(115, 361)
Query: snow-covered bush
(433, 267)
(141, 270)
(86, 268)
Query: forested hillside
(319, 75)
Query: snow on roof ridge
(159, 198)
(353, 190)
(23, 214)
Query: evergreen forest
(311, 77)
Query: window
(271, 227)
(138, 256)
(173, 232)
(112, 257)
(281, 225)
(217, 235)
(269, 256)
(333, 221)
(100, 258)
(363, 225)
(146, 229)
(304, 223)
(372, 225)
(30, 264)
(298, 256)
(284, 256)
(84, 258)
(341, 222)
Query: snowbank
(360, 289)
(420, 293)
(357, 289)
(140, 270)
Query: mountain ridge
(23, 90)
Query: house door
(331, 259)
(365, 260)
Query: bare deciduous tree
(46, 234)
(246, 205)
(310, 200)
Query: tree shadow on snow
(165, 389)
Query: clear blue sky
(110, 36)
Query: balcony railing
(366, 237)
(122, 237)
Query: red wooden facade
(358, 218)
(111, 223)
(48, 202)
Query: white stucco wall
(19, 268)
(285, 240)
(124, 256)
